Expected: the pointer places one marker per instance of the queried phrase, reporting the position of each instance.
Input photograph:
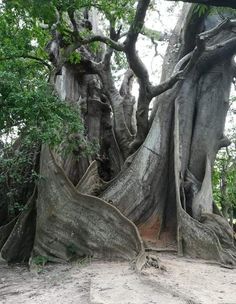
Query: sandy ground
(181, 281)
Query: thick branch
(224, 3)
(225, 24)
(128, 99)
(216, 53)
(138, 67)
(114, 36)
(137, 23)
(141, 118)
(164, 86)
(122, 133)
(135, 62)
(71, 15)
(115, 45)
(153, 34)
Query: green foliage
(118, 10)
(25, 25)
(40, 260)
(31, 113)
(225, 172)
(74, 58)
(120, 61)
(95, 47)
(224, 182)
(20, 34)
(201, 9)
(150, 33)
(46, 10)
(29, 106)
(18, 167)
(71, 250)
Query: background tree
(149, 180)
(224, 174)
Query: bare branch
(137, 23)
(181, 62)
(164, 86)
(135, 62)
(153, 34)
(227, 23)
(115, 45)
(216, 53)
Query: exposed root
(210, 239)
(145, 260)
(6, 230)
(19, 244)
(201, 240)
(91, 183)
(71, 225)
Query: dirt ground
(181, 280)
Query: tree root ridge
(71, 225)
(6, 230)
(146, 260)
(203, 240)
(212, 234)
(91, 183)
(19, 240)
(208, 236)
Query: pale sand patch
(184, 281)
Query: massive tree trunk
(162, 193)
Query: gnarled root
(71, 225)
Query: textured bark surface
(139, 191)
(71, 225)
(210, 236)
(19, 234)
(91, 183)
(202, 202)
(163, 191)
(5, 231)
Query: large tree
(148, 182)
